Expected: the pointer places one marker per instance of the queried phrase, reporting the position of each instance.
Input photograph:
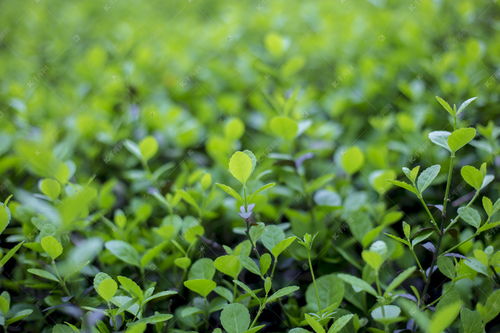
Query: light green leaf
(50, 187)
(235, 318)
(156, 318)
(327, 198)
(148, 147)
(272, 236)
(404, 185)
(234, 129)
(380, 180)
(182, 262)
(202, 287)
(443, 318)
(476, 265)
(282, 246)
(107, 289)
(51, 246)
(357, 284)
(284, 127)
(491, 309)
(229, 265)
(202, 269)
(124, 251)
(352, 160)
(265, 263)
(10, 254)
(373, 259)
(241, 166)
(472, 176)
(386, 313)
(427, 176)
(460, 138)
(470, 216)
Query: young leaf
(491, 309)
(404, 185)
(284, 127)
(373, 259)
(241, 166)
(265, 263)
(229, 190)
(235, 318)
(427, 176)
(43, 274)
(131, 287)
(107, 289)
(51, 246)
(487, 206)
(445, 106)
(10, 254)
(465, 104)
(202, 287)
(472, 176)
(460, 138)
(202, 269)
(4, 217)
(386, 313)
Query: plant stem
(448, 184)
(61, 280)
(314, 280)
(460, 244)
(429, 212)
(418, 262)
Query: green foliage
(249, 166)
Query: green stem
(448, 183)
(274, 267)
(418, 262)
(456, 217)
(428, 212)
(314, 280)
(460, 244)
(61, 280)
(261, 308)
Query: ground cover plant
(239, 167)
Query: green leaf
(282, 246)
(421, 237)
(373, 259)
(265, 263)
(241, 166)
(160, 295)
(43, 274)
(380, 180)
(229, 190)
(407, 230)
(148, 147)
(262, 188)
(284, 127)
(471, 321)
(250, 264)
(400, 279)
(19, 316)
(156, 318)
(315, 325)
(202, 269)
(491, 309)
(50, 187)
(485, 227)
(152, 253)
(445, 106)
(124, 251)
(202, 287)
(440, 138)
(470, 216)
(51, 246)
(472, 176)
(404, 185)
(340, 323)
(399, 239)
(427, 176)
(330, 290)
(460, 138)
(182, 262)
(131, 287)
(386, 313)
(465, 104)
(4, 217)
(229, 265)
(234, 129)
(282, 293)
(107, 289)
(272, 236)
(477, 266)
(411, 174)
(444, 317)
(488, 206)
(246, 288)
(327, 198)
(10, 254)
(235, 318)
(446, 266)
(352, 160)
(357, 284)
